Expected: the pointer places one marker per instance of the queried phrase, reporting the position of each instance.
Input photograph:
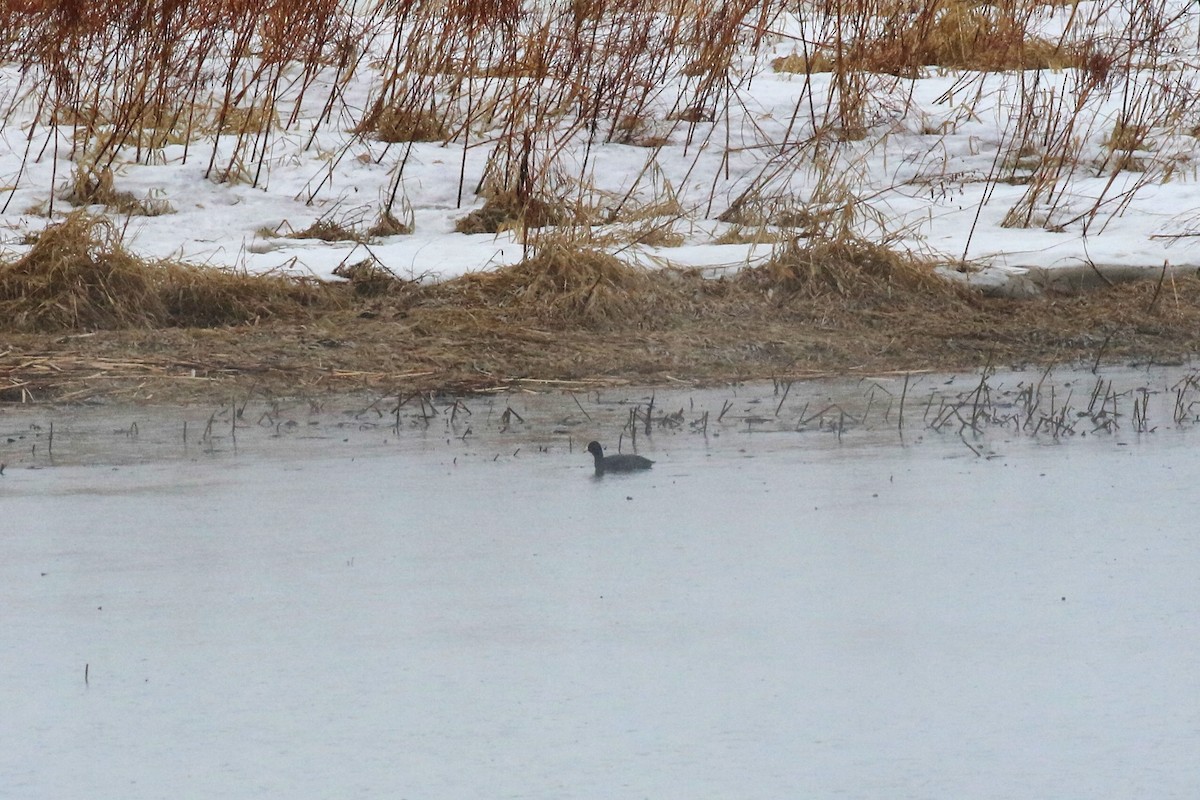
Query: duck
(617, 463)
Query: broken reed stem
(929, 405)
(1162, 276)
(1100, 352)
(581, 408)
(786, 390)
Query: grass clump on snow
(797, 63)
(327, 230)
(507, 210)
(973, 36)
(406, 125)
(78, 276)
(957, 34)
(850, 269)
(370, 278)
(92, 186)
(386, 224)
(568, 285)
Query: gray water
(805, 598)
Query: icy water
(804, 598)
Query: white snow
(921, 173)
(337, 609)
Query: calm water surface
(796, 601)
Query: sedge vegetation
(539, 85)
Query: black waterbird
(617, 463)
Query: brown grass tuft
(406, 125)
(370, 278)
(239, 120)
(797, 63)
(95, 187)
(979, 38)
(505, 210)
(781, 212)
(386, 224)
(851, 269)
(205, 297)
(963, 34)
(327, 230)
(738, 234)
(77, 276)
(572, 286)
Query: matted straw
(78, 276)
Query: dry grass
(641, 131)
(898, 38)
(386, 224)
(406, 125)
(571, 286)
(326, 230)
(528, 83)
(738, 234)
(568, 314)
(969, 35)
(780, 212)
(853, 270)
(78, 276)
(456, 339)
(798, 63)
(237, 120)
(346, 229)
(369, 278)
(506, 210)
(96, 186)
(531, 83)
(653, 234)
(1128, 138)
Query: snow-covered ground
(332, 608)
(927, 175)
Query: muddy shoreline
(397, 346)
